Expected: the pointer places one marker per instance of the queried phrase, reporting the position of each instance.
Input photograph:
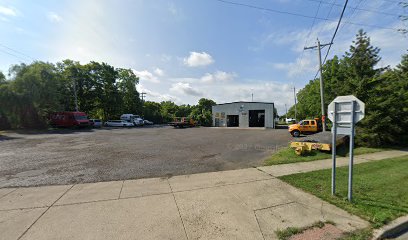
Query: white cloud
(147, 76)
(54, 17)
(156, 96)
(218, 76)
(8, 11)
(306, 64)
(197, 59)
(184, 89)
(159, 72)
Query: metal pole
(143, 102)
(334, 150)
(294, 95)
(321, 86)
(75, 96)
(350, 177)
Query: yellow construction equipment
(320, 141)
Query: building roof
(245, 102)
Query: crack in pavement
(44, 213)
(178, 209)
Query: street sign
(344, 112)
(344, 109)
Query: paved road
(66, 157)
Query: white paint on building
(244, 114)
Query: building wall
(220, 112)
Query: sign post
(350, 177)
(344, 112)
(334, 151)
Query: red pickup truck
(69, 119)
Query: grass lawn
(288, 155)
(380, 189)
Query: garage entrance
(256, 118)
(232, 121)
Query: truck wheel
(295, 133)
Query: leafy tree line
(384, 90)
(33, 91)
(166, 111)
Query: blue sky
(183, 50)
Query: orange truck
(307, 126)
(183, 122)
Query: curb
(393, 229)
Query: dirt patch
(327, 232)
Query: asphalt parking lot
(93, 155)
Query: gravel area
(92, 155)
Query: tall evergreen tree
(360, 63)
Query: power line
(335, 32)
(359, 9)
(21, 59)
(308, 36)
(328, 15)
(334, 35)
(352, 14)
(21, 53)
(301, 15)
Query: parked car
(147, 122)
(135, 119)
(69, 119)
(97, 123)
(118, 123)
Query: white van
(135, 119)
(290, 120)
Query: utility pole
(75, 97)
(294, 95)
(142, 94)
(252, 94)
(319, 48)
(286, 107)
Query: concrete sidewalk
(239, 204)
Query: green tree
(77, 81)
(37, 90)
(127, 81)
(168, 110)
(360, 64)
(202, 112)
(152, 111)
(386, 118)
(2, 78)
(183, 110)
(108, 101)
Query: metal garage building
(243, 114)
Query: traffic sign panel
(344, 105)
